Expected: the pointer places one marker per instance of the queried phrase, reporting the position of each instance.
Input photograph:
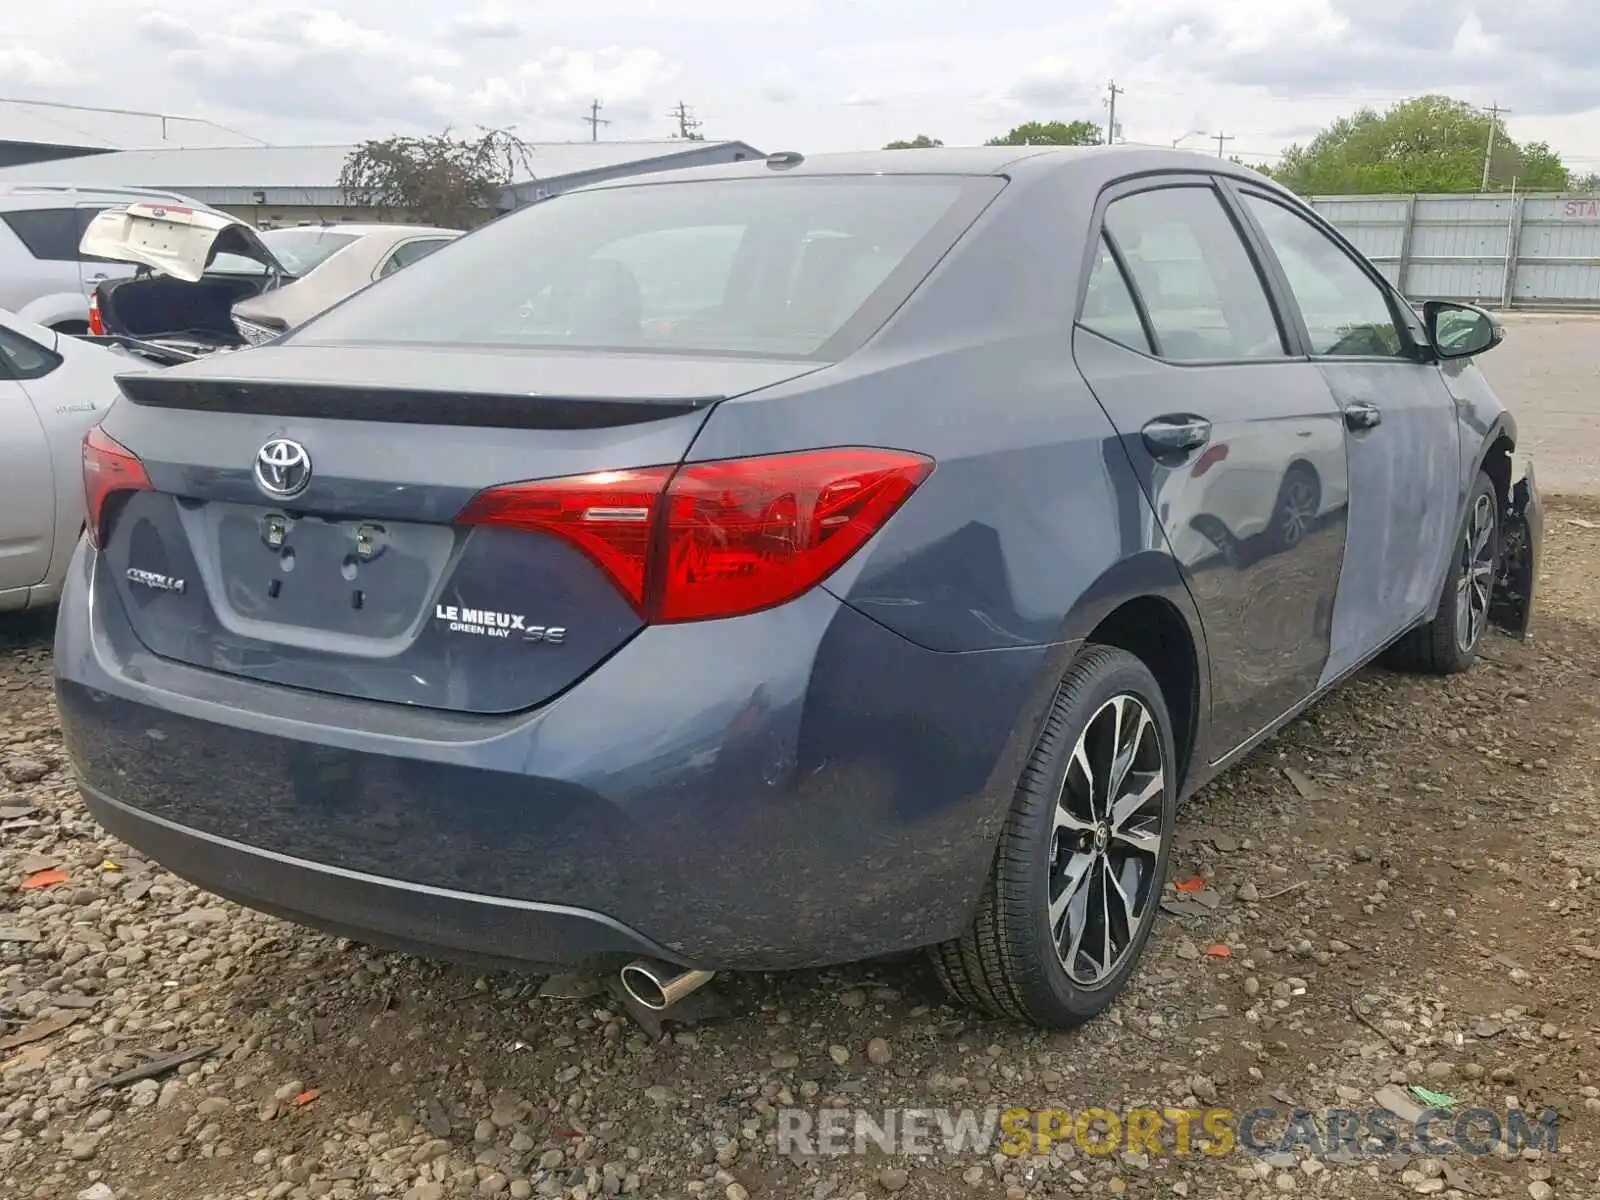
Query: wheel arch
(1493, 458)
(1142, 605)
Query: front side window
(1345, 312)
(1196, 279)
(764, 266)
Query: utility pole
(1219, 138)
(688, 127)
(1112, 92)
(594, 120)
(1494, 111)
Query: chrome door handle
(1178, 434)
(1360, 414)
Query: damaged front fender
(1521, 543)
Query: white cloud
(807, 74)
(25, 67)
(563, 80)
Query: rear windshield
(298, 250)
(767, 266)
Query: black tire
(1435, 648)
(1008, 964)
(1295, 510)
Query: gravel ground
(1402, 888)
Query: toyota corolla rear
(429, 624)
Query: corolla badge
(283, 468)
(154, 579)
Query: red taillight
(97, 324)
(108, 468)
(715, 539)
(610, 516)
(1208, 459)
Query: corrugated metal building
(1529, 250)
(286, 185)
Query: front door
(1240, 447)
(1402, 434)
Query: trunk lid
(176, 240)
(360, 584)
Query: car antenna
(784, 159)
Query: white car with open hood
(209, 281)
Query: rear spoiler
(402, 406)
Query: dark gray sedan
(784, 563)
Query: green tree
(1587, 184)
(1051, 133)
(1429, 144)
(443, 180)
(921, 142)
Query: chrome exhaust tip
(658, 985)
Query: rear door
(1401, 432)
(1236, 439)
(27, 481)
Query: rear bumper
(383, 912)
(789, 789)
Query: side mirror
(1460, 330)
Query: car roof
(1010, 161)
(363, 229)
(31, 192)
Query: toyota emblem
(283, 468)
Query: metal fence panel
(1530, 250)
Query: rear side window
(1108, 307)
(1197, 281)
(48, 233)
(23, 359)
(774, 266)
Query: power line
(1219, 138)
(1112, 92)
(594, 120)
(688, 126)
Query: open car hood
(174, 240)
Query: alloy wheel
(1477, 575)
(1106, 841)
(1299, 510)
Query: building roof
(294, 169)
(39, 123)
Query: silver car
(209, 281)
(53, 387)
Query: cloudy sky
(811, 74)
